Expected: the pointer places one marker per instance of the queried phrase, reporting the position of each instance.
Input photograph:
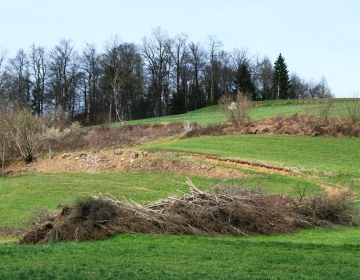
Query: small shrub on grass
(324, 107)
(353, 110)
(237, 111)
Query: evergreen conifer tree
(281, 81)
(243, 81)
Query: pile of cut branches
(233, 211)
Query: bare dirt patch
(8, 240)
(128, 161)
(11, 233)
(331, 191)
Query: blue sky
(315, 37)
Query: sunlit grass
(24, 195)
(310, 254)
(332, 159)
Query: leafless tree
(213, 51)
(38, 61)
(18, 78)
(179, 56)
(21, 131)
(156, 52)
(298, 87)
(111, 64)
(64, 76)
(3, 54)
(197, 57)
(264, 77)
(90, 65)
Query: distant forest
(126, 81)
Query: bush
(237, 111)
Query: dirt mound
(236, 212)
(125, 161)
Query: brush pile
(235, 212)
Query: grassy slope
(261, 110)
(340, 156)
(311, 254)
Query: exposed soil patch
(260, 167)
(8, 240)
(240, 163)
(126, 161)
(129, 161)
(9, 233)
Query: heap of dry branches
(236, 212)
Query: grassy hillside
(310, 254)
(260, 110)
(335, 159)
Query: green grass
(311, 254)
(261, 110)
(23, 196)
(333, 159)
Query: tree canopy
(281, 83)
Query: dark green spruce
(281, 81)
(243, 81)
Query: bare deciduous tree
(197, 56)
(18, 77)
(156, 52)
(213, 50)
(38, 60)
(90, 64)
(3, 54)
(64, 76)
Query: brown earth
(10, 233)
(125, 161)
(130, 161)
(8, 240)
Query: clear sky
(316, 37)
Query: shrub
(237, 111)
(353, 110)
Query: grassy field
(260, 110)
(310, 254)
(25, 195)
(333, 159)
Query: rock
(64, 155)
(119, 152)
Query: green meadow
(308, 254)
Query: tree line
(161, 76)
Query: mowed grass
(332, 159)
(22, 196)
(310, 254)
